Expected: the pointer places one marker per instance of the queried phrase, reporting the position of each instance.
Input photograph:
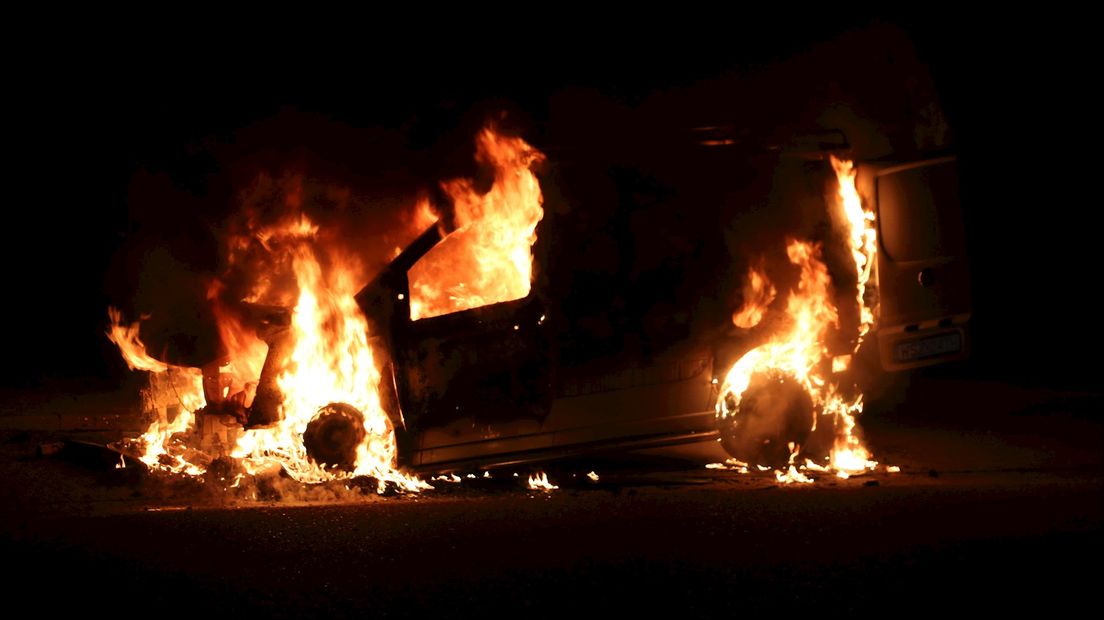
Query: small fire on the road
(539, 482)
(791, 475)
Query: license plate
(930, 346)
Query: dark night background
(96, 110)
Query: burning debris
(731, 465)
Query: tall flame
(488, 258)
(330, 362)
(862, 238)
(797, 350)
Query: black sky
(95, 107)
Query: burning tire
(759, 425)
(333, 436)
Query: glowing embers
(488, 258)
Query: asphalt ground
(997, 508)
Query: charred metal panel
(490, 363)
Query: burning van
(606, 342)
(645, 305)
(704, 287)
(722, 263)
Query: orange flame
(330, 361)
(171, 385)
(797, 350)
(130, 346)
(758, 294)
(862, 238)
(245, 351)
(488, 258)
(539, 482)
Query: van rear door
(923, 280)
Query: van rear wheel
(773, 412)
